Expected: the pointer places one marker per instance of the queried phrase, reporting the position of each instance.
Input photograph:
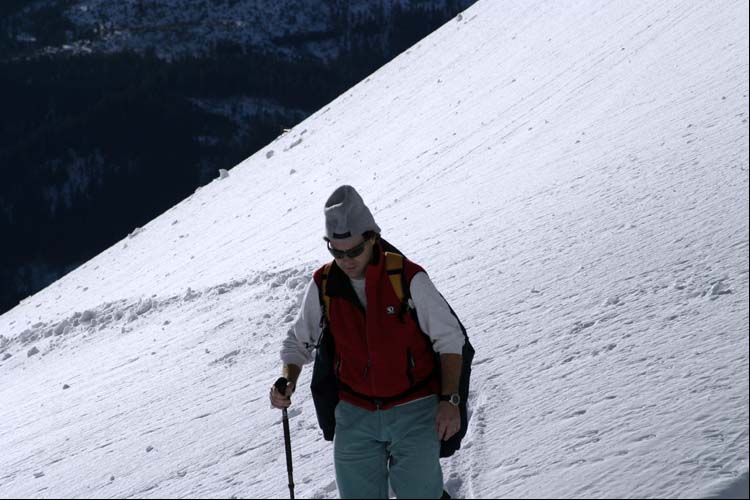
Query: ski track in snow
(580, 197)
(275, 286)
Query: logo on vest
(390, 310)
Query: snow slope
(573, 175)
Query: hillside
(580, 196)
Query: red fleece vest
(378, 354)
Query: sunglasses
(352, 253)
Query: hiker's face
(354, 267)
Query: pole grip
(281, 384)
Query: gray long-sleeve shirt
(435, 320)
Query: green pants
(399, 444)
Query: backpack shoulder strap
(326, 300)
(321, 279)
(394, 266)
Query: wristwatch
(454, 399)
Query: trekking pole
(281, 387)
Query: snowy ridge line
(122, 313)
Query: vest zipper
(410, 365)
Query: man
(396, 404)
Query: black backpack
(325, 385)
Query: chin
(356, 274)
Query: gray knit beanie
(347, 215)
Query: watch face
(455, 399)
